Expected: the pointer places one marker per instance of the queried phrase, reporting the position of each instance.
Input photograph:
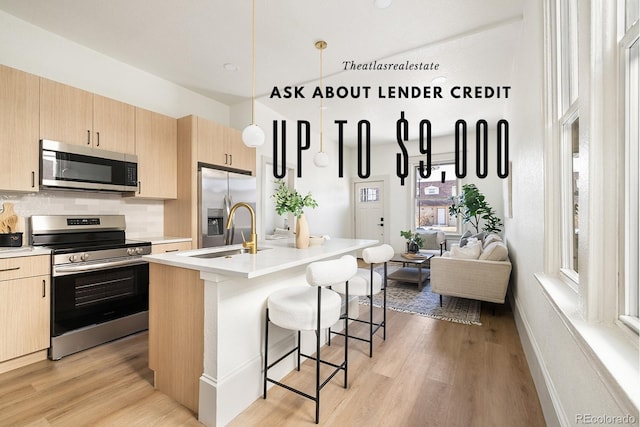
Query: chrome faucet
(252, 244)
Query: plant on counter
(288, 200)
(414, 240)
(473, 208)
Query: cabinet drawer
(18, 267)
(170, 247)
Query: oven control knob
(139, 251)
(74, 258)
(84, 257)
(131, 251)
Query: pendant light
(253, 135)
(321, 159)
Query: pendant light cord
(321, 45)
(253, 60)
(321, 98)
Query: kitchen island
(206, 320)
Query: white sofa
(484, 278)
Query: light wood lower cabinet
(162, 248)
(19, 124)
(24, 310)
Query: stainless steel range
(99, 281)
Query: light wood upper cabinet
(75, 116)
(211, 138)
(18, 130)
(242, 157)
(222, 146)
(24, 306)
(156, 148)
(114, 125)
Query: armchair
(433, 241)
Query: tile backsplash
(143, 217)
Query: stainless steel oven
(99, 281)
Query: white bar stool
(310, 308)
(368, 282)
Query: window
(369, 194)
(629, 48)
(433, 198)
(569, 127)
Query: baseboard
(21, 361)
(547, 395)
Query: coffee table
(413, 268)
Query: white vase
(302, 233)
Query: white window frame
(629, 233)
(437, 159)
(567, 211)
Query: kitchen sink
(225, 254)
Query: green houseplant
(414, 240)
(288, 200)
(472, 207)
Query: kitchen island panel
(231, 334)
(176, 320)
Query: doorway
(369, 210)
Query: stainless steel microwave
(66, 166)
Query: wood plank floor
(427, 373)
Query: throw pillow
(464, 237)
(471, 251)
(491, 238)
(464, 240)
(496, 251)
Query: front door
(369, 210)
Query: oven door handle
(69, 269)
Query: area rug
(407, 298)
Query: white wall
(568, 381)
(400, 197)
(332, 216)
(34, 50)
(31, 49)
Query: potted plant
(414, 241)
(288, 200)
(472, 206)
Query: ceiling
(189, 41)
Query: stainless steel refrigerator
(218, 191)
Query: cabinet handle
(33, 179)
(171, 250)
(139, 187)
(44, 288)
(97, 139)
(226, 159)
(230, 159)
(88, 137)
(9, 269)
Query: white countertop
(273, 256)
(7, 252)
